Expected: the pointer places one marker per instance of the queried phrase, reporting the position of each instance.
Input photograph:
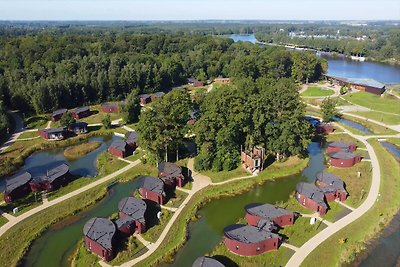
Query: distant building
(80, 113)
(157, 95)
(119, 148)
(144, 99)
(311, 197)
(332, 186)
(131, 139)
(279, 216)
(53, 133)
(325, 128)
(207, 262)
(131, 215)
(221, 80)
(17, 186)
(343, 159)
(56, 116)
(195, 83)
(247, 240)
(79, 127)
(340, 146)
(171, 174)
(52, 180)
(253, 160)
(152, 188)
(367, 85)
(109, 108)
(99, 237)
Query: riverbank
(80, 150)
(344, 245)
(177, 235)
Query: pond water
(354, 125)
(395, 150)
(85, 166)
(207, 232)
(347, 68)
(56, 245)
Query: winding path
(19, 128)
(302, 252)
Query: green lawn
(301, 231)
(28, 135)
(177, 199)
(226, 175)
(335, 252)
(99, 115)
(82, 257)
(36, 121)
(126, 250)
(317, 91)
(373, 127)
(3, 220)
(154, 232)
(136, 155)
(390, 119)
(108, 163)
(395, 141)
(385, 103)
(335, 212)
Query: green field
(317, 91)
(383, 103)
(98, 116)
(226, 175)
(36, 121)
(28, 135)
(390, 119)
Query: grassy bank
(36, 121)
(226, 175)
(300, 232)
(80, 150)
(373, 127)
(28, 135)
(3, 220)
(391, 119)
(317, 91)
(107, 163)
(344, 246)
(384, 103)
(178, 234)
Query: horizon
(197, 10)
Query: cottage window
(237, 247)
(258, 249)
(256, 163)
(90, 245)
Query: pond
(57, 244)
(85, 166)
(395, 150)
(354, 125)
(207, 232)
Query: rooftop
(131, 137)
(79, 124)
(266, 211)
(153, 184)
(53, 173)
(340, 144)
(54, 130)
(367, 82)
(247, 233)
(159, 94)
(81, 109)
(331, 179)
(342, 155)
(109, 105)
(144, 96)
(118, 144)
(60, 111)
(170, 168)
(206, 262)
(312, 192)
(17, 180)
(133, 207)
(100, 230)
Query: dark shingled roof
(247, 233)
(342, 155)
(100, 230)
(53, 174)
(153, 184)
(123, 221)
(207, 262)
(133, 207)
(79, 124)
(17, 180)
(109, 105)
(266, 211)
(266, 225)
(81, 109)
(54, 130)
(60, 111)
(332, 180)
(340, 144)
(131, 137)
(119, 144)
(171, 170)
(312, 192)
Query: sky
(199, 9)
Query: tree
(328, 108)
(107, 122)
(67, 120)
(131, 109)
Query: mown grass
(176, 200)
(226, 175)
(301, 231)
(154, 232)
(335, 252)
(28, 135)
(3, 220)
(269, 258)
(390, 119)
(120, 130)
(317, 91)
(335, 212)
(107, 163)
(72, 186)
(293, 205)
(36, 121)
(136, 155)
(23, 204)
(82, 257)
(77, 151)
(385, 103)
(357, 187)
(395, 141)
(126, 250)
(373, 127)
(177, 234)
(98, 115)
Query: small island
(80, 150)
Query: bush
(107, 122)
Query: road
(48, 204)
(301, 253)
(19, 128)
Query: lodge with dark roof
(367, 85)
(171, 174)
(120, 148)
(332, 186)
(53, 133)
(131, 215)
(195, 83)
(80, 112)
(207, 262)
(253, 159)
(17, 186)
(152, 188)
(247, 240)
(343, 159)
(144, 99)
(56, 116)
(340, 146)
(131, 139)
(52, 180)
(311, 197)
(79, 127)
(257, 212)
(99, 237)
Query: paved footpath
(48, 204)
(19, 128)
(300, 255)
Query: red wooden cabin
(254, 160)
(340, 146)
(256, 212)
(311, 197)
(80, 112)
(152, 188)
(343, 159)
(56, 116)
(53, 133)
(131, 215)
(17, 186)
(99, 237)
(171, 174)
(332, 186)
(52, 180)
